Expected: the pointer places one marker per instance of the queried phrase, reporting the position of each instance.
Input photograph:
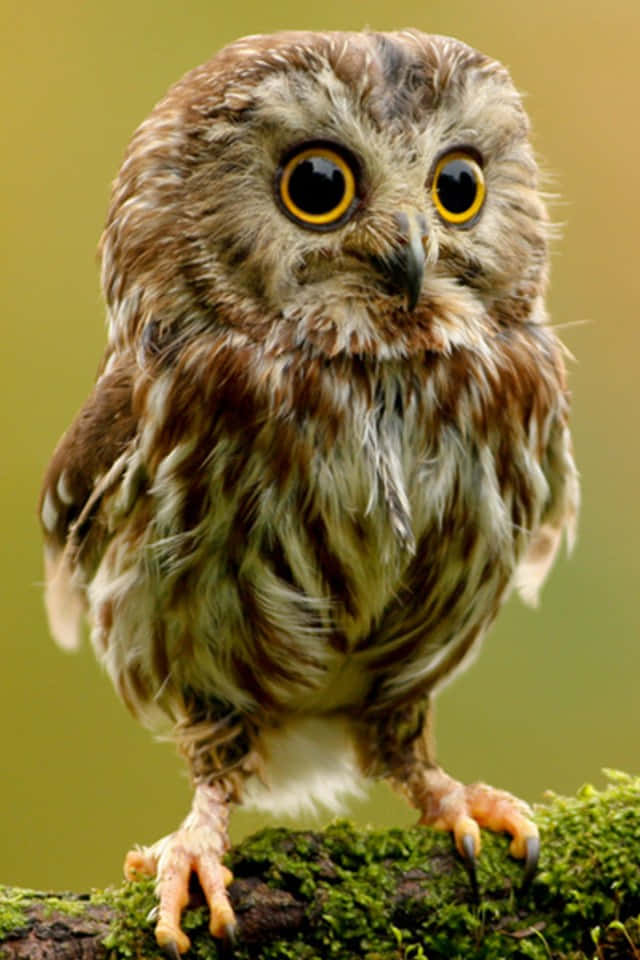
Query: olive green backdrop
(554, 695)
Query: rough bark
(381, 895)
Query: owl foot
(196, 847)
(462, 809)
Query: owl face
(363, 192)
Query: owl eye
(317, 187)
(458, 188)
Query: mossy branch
(381, 895)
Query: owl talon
(450, 805)
(467, 848)
(226, 947)
(532, 855)
(170, 938)
(230, 933)
(196, 848)
(171, 950)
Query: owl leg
(401, 750)
(198, 847)
(217, 746)
(462, 809)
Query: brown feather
(289, 497)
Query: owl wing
(559, 514)
(88, 463)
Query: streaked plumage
(292, 506)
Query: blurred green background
(554, 696)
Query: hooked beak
(405, 269)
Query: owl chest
(325, 535)
(330, 554)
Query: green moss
(131, 933)
(399, 895)
(72, 908)
(13, 915)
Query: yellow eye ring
(458, 188)
(317, 187)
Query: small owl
(328, 436)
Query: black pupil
(317, 185)
(457, 186)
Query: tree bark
(346, 893)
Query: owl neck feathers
(447, 319)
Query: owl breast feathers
(330, 429)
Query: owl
(328, 435)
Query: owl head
(360, 192)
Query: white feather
(310, 765)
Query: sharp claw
(152, 916)
(468, 845)
(530, 862)
(171, 950)
(226, 947)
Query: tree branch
(381, 895)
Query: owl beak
(406, 267)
